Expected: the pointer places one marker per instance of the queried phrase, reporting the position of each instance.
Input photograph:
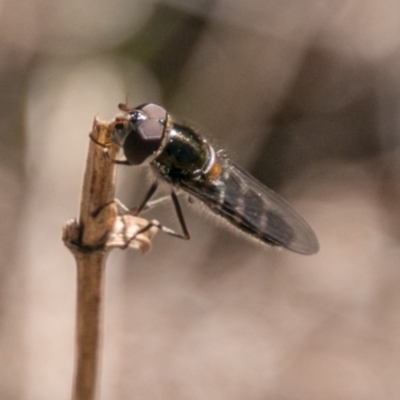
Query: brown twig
(87, 241)
(99, 229)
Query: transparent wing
(254, 209)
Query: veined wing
(254, 209)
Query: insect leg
(145, 203)
(161, 200)
(149, 205)
(93, 139)
(119, 162)
(156, 202)
(105, 151)
(179, 213)
(144, 206)
(168, 231)
(114, 201)
(162, 228)
(149, 194)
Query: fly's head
(140, 133)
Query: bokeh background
(306, 96)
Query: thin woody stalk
(88, 245)
(99, 230)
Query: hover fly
(181, 157)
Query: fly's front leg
(149, 195)
(150, 204)
(134, 211)
(105, 147)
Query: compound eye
(153, 111)
(145, 137)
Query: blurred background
(303, 94)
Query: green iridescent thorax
(184, 153)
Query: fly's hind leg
(185, 235)
(178, 210)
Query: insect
(181, 157)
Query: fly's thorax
(184, 154)
(214, 168)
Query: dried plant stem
(98, 231)
(87, 241)
(88, 324)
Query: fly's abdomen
(250, 212)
